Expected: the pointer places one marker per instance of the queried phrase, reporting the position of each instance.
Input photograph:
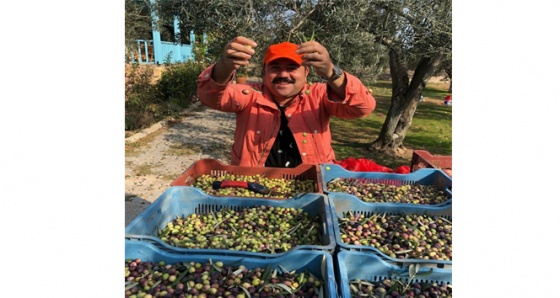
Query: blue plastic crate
(180, 201)
(352, 265)
(318, 263)
(434, 177)
(341, 203)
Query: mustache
(283, 80)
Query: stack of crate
(366, 262)
(334, 261)
(182, 200)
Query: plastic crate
(318, 263)
(423, 176)
(352, 265)
(216, 168)
(180, 201)
(423, 159)
(341, 203)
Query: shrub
(147, 103)
(140, 98)
(177, 85)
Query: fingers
(313, 51)
(238, 52)
(315, 55)
(310, 47)
(242, 40)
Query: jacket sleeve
(358, 101)
(223, 97)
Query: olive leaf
(282, 287)
(310, 230)
(247, 294)
(239, 270)
(155, 284)
(396, 286)
(300, 278)
(129, 285)
(425, 273)
(215, 266)
(320, 292)
(323, 267)
(266, 274)
(180, 277)
(286, 270)
(403, 251)
(412, 270)
(304, 38)
(354, 288)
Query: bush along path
(156, 156)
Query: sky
(62, 158)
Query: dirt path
(153, 161)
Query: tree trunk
(404, 100)
(448, 71)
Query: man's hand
(316, 55)
(236, 54)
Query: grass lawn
(430, 129)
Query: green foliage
(358, 34)
(177, 85)
(147, 103)
(334, 24)
(141, 109)
(201, 52)
(138, 22)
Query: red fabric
(402, 170)
(367, 165)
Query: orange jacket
(258, 118)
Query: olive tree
(414, 37)
(417, 36)
(269, 22)
(362, 37)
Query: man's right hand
(236, 54)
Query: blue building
(156, 51)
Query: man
(283, 121)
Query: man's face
(284, 78)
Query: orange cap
(282, 50)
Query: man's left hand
(316, 55)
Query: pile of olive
(254, 229)
(282, 188)
(369, 191)
(215, 279)
(400, 236)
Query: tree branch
(300, 23)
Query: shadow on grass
(434, 145)
(430, 130)
(432, 111)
